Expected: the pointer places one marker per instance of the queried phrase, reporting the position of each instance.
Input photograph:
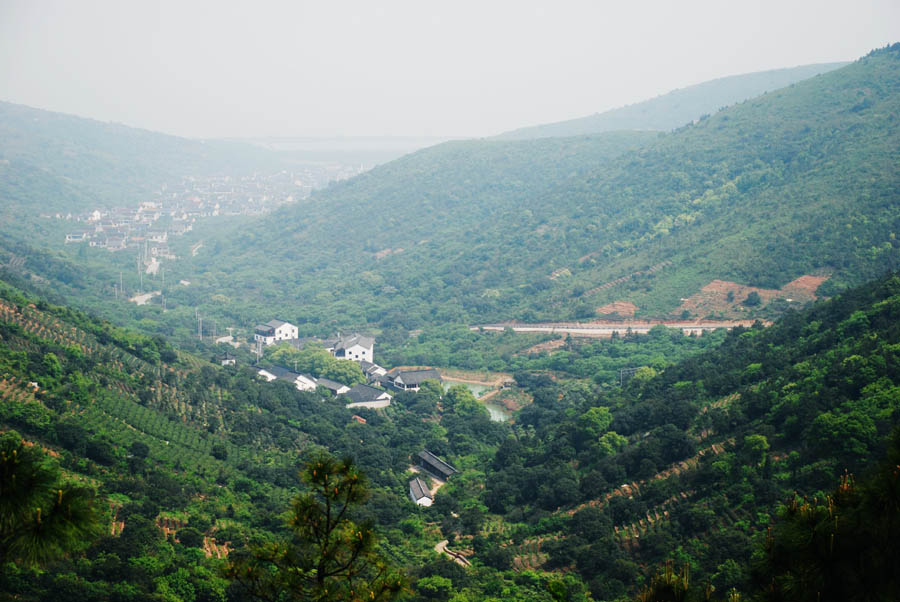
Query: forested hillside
(70, 164)
(691, 465)
(185, 466)
(380, 245)
(798, 181)
(676, 108)
(182, 462)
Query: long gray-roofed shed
(435, 465)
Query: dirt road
(606, 329)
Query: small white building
(419, 493)
(302, 382)
(335, 387)
(355, 347)
(374, 373)
(274, 331)
(80, 236)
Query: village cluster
(374, 394)
(355, 347)
(174, 209)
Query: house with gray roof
(435, 466)
(410, 380)
(302, 382)
(364, 396)
(354, 347)
(333, 386)
(374, 373)
(274, 331)
(419, 492)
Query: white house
(335, 387)
(274, 331)
(419, 493)
(410, 380)
(301, 381)
(355, 347)
(79, 236)
(374, 373)
(304, 382)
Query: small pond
(498, 413)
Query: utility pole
(200, 327)
(120, 283)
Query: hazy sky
(413, 68)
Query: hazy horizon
(409, 70)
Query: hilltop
(65, 163)
(678, 107)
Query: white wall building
(419, 493)
(273, 331)
(355, 347)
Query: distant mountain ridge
(790, 183)
(676, 108)
(71, 163)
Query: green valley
(612, 363)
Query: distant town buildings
(175, 208)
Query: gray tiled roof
(355, 339)
(330, 384)
(363, 393)
(419, 489)
(414, 377)
(437, 463)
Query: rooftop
(414, 377)
(433, 460)
(419, 489)
(363, 393)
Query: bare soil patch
(805, 286)
(548, 346)
(490, 379)
(622, 308)
(385, 252)
(724, 298)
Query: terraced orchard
(122, 395)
